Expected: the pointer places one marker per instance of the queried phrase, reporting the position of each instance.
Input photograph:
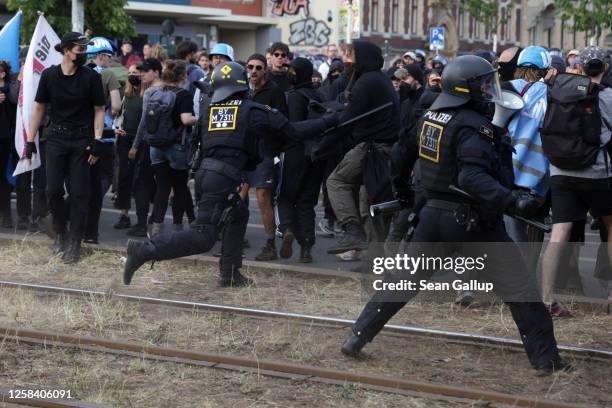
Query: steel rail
(272, 367)
(263, 313)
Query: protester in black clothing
(298, 190)
(371, 89)
(335, 69)
(412, 79)
(278, 68)
(263, 178)
(341, 83)
(8, 109)
(76, 101)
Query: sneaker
(353, 239)
(464, 298)
(123, 222)
(351, 255)
(90, 239)
(553, 366)
(138, 230)
(326, 228)
(23, 223)
(557, 310)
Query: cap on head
(591, 53)
(151, 64)
(223, 49)
(410, 55)
(71, 39)
(534, 56)
(228, 79)
(100, 45)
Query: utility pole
(78, 16)
(349, 22)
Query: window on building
(374, 16)
(518, 25)
(460, 22)
(395, 16)
(414, 10)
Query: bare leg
(550, 262)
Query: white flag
(41, 55)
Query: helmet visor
(486, 88)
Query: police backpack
(159, 126)
(572, 123)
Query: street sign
(436, 38)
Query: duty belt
(465, 214)
(223, 168)
(67, 129)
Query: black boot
(123, 222)
(60, 244)
(268, 253)
(73, 254)
(234, 279)
(287, 245)
(138, 230)
(553, 366)
(353, 239)
(305, 256)
(138, 252)
(353, 345)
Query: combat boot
(305, 255)
(60, 244)
(553, 366)
(138, 252)
(268, 253)
(353, 239)
(353, 345)
(234, 279)
(73, 254)
(286, 250)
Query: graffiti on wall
(290, 7)
(310, 32)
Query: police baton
(533, 223)
(359, 117)
(388, 207)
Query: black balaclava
(507, 69)
(303, 71)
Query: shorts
(175, 156)
(573, 197)
(264, 175)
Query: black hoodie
(302, 92)
(371, 89)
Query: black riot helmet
(228, 79)
(468, 78)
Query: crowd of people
(115, 120)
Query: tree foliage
(487, 12)
(591, 16)
(103, 17)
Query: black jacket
(370, 90)
(271, 95)
(8, 110)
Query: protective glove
(94, 148)
(331, 118)
(402, 191)
(523, 204)
(30, 149)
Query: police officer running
(76, 100)
(459, 147)
(230, 132)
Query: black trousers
(531, 317)
(31, 196)
(213, 189)
(125, 172)
(7, 152)
(67, 164)
(144, 186)
(298, 193)
(101, 178)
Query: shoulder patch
(222, 118)
(488, 132)
(429, 141)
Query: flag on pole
(41, 55)
(9, 38)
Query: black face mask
(134, 80)
(80, 60)
(292, 78)
(506, 71)
(435, 88)
(316, 84)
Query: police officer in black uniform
(458, 146)
(230, 133)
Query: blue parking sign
(436, 38)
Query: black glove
(523, 204)
(331, 118)
(30, 149)
(402, 191)
(94, 148)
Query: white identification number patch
(222, 118)
(429, 141)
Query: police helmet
(468, 78)
(100, 45)
(225, 50)
(228, 79)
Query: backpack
(572, 123)
(376, 175)
(159, 126)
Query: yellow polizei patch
(429, 141)
(222, 118)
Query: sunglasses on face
(255, 67)
(280, 54)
